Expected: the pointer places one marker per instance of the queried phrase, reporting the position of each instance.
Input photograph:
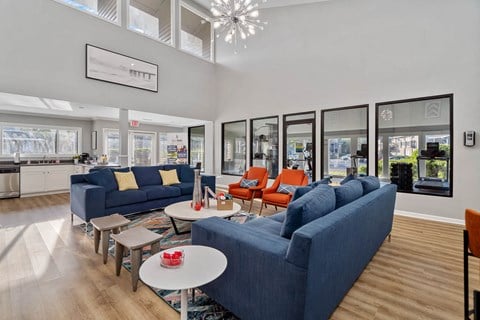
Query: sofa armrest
(256, 260)
(87, 201)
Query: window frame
(119, 12)
(322, 134)
(223, 147)
(173, 24)
(56, 128)
(179, 27)
(450, 97)
(154, 146)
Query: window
(414, 144)
(299, 142)
(345, 142)
(141, 147)
(111, 144)
(234, 155)
(108, 10)
(196, 147)
(264, 144)
(151, 18)
(39, 140)
(195, 33)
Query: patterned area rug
(200, 306)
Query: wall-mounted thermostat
(469, 138)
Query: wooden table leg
(105, 238)
(118, 257)
(136, 256)
(96, 238)
(155, 247)
(184, 305)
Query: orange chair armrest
(255, 188)
(234, 185)
(269, 190)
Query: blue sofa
(96, 194)
(300, 263)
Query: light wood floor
(48, 270)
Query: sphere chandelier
(238, 19)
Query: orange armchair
(258, 173)
(288, 176)
(471, 247)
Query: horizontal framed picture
(108, 66)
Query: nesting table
(102, 226)
(183, 211)
(201, 266)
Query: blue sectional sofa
(96, 194)
(300, 263)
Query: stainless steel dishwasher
(9, 181)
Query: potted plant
(76, 158)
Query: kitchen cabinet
(45, 178)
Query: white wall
(345, 52)
(43, 54)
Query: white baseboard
(429, 217)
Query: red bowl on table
(172, 259)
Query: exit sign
(134, 123)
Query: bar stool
(134, 240)
(103, 226)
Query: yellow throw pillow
(126, 181)
(169, 177)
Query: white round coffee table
(183, 211)
(201, 266)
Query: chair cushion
(246, 183)
(266, 225)
(126, 181)
(279, 198)
(147, 176)
(286, 188)
(169, 177)
(369, 183)
(240, 192)
(256, 173)
(103, 178)
(313, 205)
(300, 191)
(161, 192)
(348, 192)
(121, 198)
(186, 174)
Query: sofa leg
(390, 237)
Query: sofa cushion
(270, 226)
(279, 198)
(147, 176)
(313, 205)
(280, 217)
(185, 187)
(126, 181)
(161, 192)
(179, 168)
(186, 174)
(348, 192)
(348, 178)
(103, 178)
(300, 191)
(369, 183)
(121, 198)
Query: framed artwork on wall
(108, 66)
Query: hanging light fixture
(237, 19)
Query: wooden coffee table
(201, 266)
(183, 211)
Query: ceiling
(35, 106)
(267, 4)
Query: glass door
(142, 151)
(299, 143)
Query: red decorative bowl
(172, 259)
